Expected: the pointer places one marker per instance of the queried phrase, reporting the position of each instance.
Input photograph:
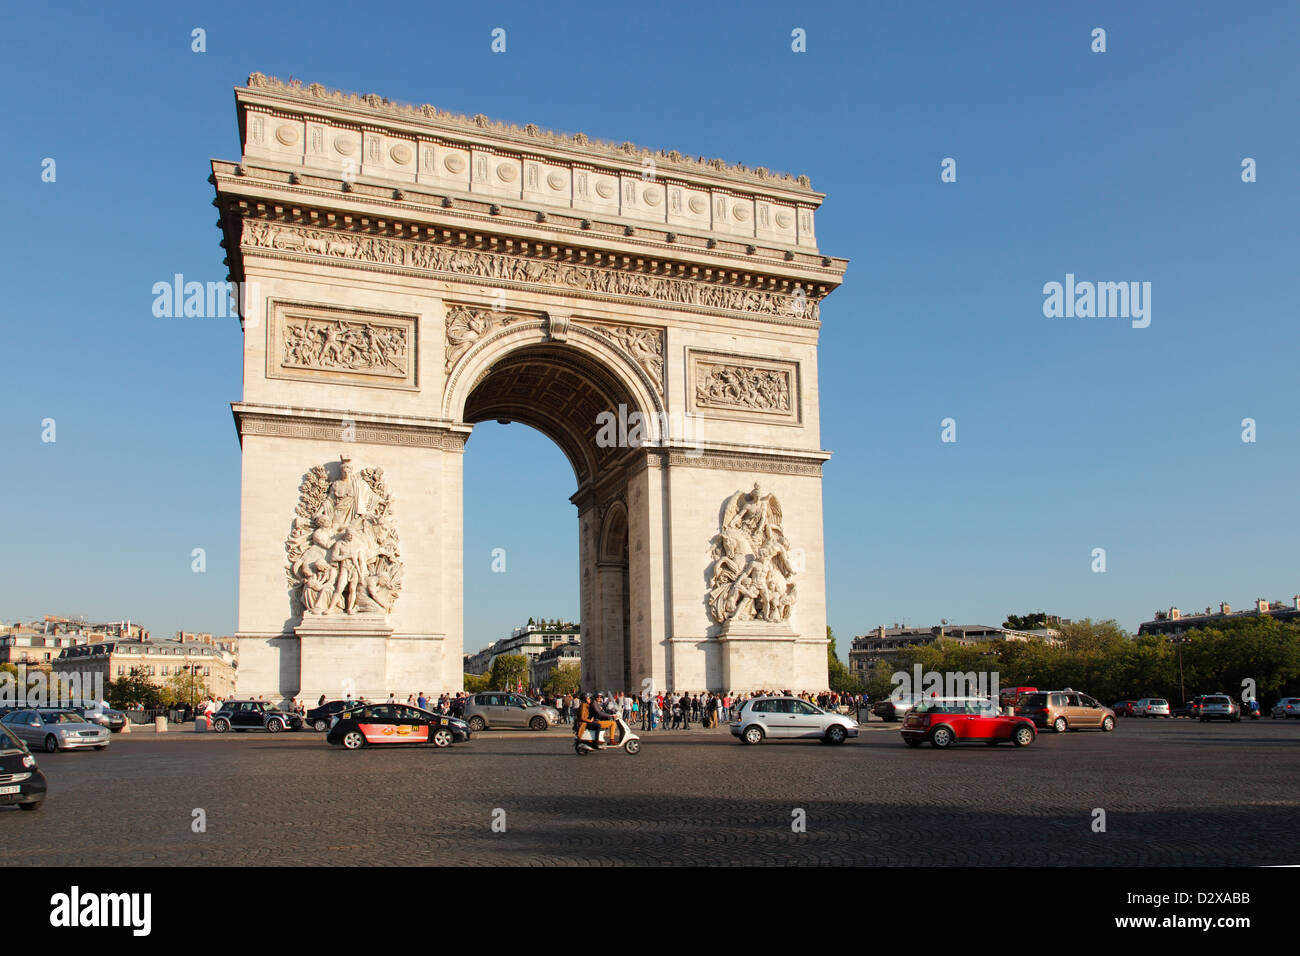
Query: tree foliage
(564, 679)
(1105, 661)
(508, 670)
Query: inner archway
(579, 403)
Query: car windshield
(8, 741)
(62, 717)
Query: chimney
(880, 631)
(1174, 614)
(1225, 608)
(1297, 602)
(1261, 606)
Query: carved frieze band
(374, 433)
(503, 268)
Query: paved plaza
(1176, 793)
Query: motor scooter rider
(601, 717)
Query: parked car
(1151, 707)
(1219, 707)
(370, 724)
(55, 729)
(894, 708)
(788, 718)
(242, 715)
(21, 781)
(1064, 710)
(98, 712)
(318, 718)
(946, 721)
(1123, 708)
(1182, 710)
(503, 709)
(1286, 707)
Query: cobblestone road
(1175, 793)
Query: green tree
(564, 679)
(131, 690)
(184, 688)
(841, 679)
(1026, 622)
(476, 683)
(508, 671)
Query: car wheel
(632, 746)
(442, 737)
(1022, 737)
(1108, 724)
(51, 744)
(320, 726)
(477, 723)
(1060, 725)
(538, 723)
(220, 726)
(354, 740)
(100, 746)
(274, 726)
(753, 734)
(911, 743)
(836, 734)
(942, 737)
(29, 807)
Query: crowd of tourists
(659, 711)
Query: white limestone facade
(408, 273)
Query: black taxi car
(21, 781)
(382, 724)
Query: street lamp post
(1178, 640)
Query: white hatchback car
(1151, 707)
(789, 718)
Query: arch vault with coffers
(404, 274)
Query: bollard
(160, 725)
(202, 724)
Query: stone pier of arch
(407, 273)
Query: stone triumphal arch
(404, 274)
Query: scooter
(597, 738)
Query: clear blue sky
(1073, 434)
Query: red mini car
(946, 721)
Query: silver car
(1151, 707)
(1286, 707)
(1219, 707)
(55, 730)
(789, 718)
(500, 708)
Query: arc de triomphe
(406, 273)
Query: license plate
(4, 790)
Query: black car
(318, 718)
(21, 781)
(241, 715)
(379, 724)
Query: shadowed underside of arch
(562, 394)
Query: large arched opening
(583, 402)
